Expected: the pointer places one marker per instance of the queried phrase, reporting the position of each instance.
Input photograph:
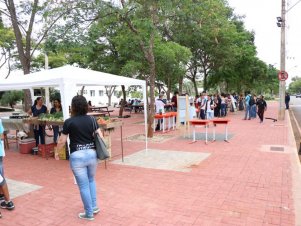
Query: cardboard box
(61, 154)
(26, 145)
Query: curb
(296, 171)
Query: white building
(98, 97)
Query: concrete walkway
(252, 180)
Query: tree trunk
(24, 54)
(109, 100)
(205, 81)
(122, 102)
(181, 85)
(109, 91)
(168, 89)
(152, 75)
(195, 86)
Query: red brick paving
(239, 184)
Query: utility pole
(281, 112)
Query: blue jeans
(2, 178)
(223, 110)
(248, 111)
(253, 111)
(83, 164)
(210, 115)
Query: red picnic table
(199, 122)
(170, 116)
(223, 121)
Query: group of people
(253, 105)
(208, 106)
(39, 108)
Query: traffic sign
(282, 75)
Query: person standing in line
(39, 130)
(202, 104)
(241, 103)
(223, 105)
(174, 101)
(262, 107)
(159, 109)
(196, 105)
(248, 109)
(287, 101)
(218, 103)
(252, 104)
(57, 107)
(210, 105)
(83, 161)
(5, 201)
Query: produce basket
(31, 120)
(52, 119)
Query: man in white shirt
(209, 108)
(159, 109)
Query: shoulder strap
(161, 101)
(94, 123)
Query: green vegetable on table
(58, 116)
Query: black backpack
(251, 101)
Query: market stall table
(108, 127)
(163, 117)
(96, 114)
(13, 124)
(223, 121)
(200, 122)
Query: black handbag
(101, 148)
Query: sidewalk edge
(296, 173)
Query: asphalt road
(295, 105)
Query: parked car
(298, 95)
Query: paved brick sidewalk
(240, 183)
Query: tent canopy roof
(66, 75)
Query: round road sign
(282, 75)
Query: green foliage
(198, 39)
(7, 38)
(54, 94)
(136, 94)
(11, 97)
(295, 85)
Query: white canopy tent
(68, 79)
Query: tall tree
(31, 22)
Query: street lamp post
(281, 111)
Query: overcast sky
(260, 16)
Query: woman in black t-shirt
(37, 109)
(83, 161)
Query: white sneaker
(85, 217)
